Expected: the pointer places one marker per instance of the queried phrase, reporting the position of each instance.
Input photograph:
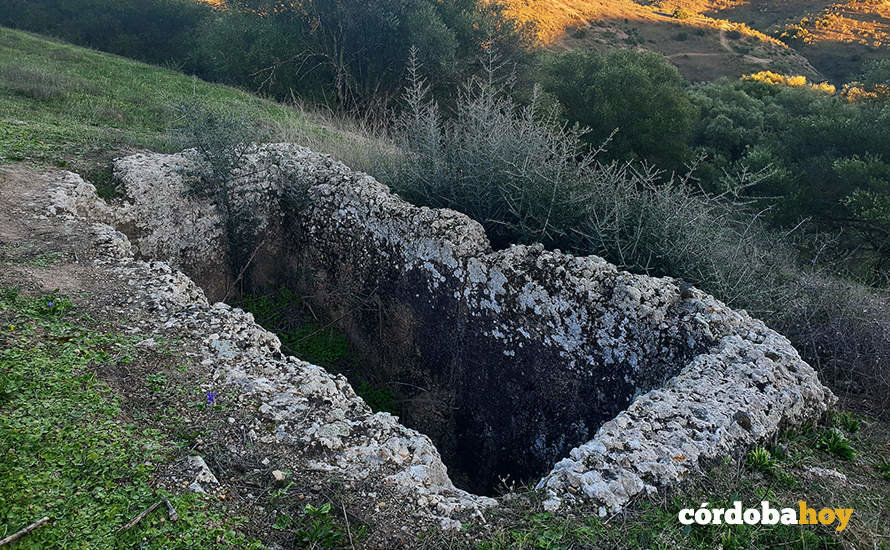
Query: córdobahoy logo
(765, 514)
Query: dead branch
(16, 536)
(138, 518)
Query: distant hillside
(707, 39)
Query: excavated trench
(500, 412)
(506, 359)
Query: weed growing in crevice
(222, 140)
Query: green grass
(67, 452)
(761, 459)
(62, 104)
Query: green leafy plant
(847, 421)
(317, 527)
(378, 398)
(833, 441)
(156, 381)
(883, 468)
(761, 459)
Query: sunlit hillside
(835, 36)
(701, 46)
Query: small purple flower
(50, 304)
(211, 397)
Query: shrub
(639, 94)
(843, 330)
(222, 141)
(527, 177)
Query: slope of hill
(707, 39)
(77, 375)
(835, 36)
(73, 107)
(702, 47)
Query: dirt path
(31, 242)
(724, 43)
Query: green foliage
(824, 162)
(883, 468)
(639, 94)
(157, 381)
(849, 422)
(515, 170)
(67, 451)
(283, 312)
(761, 459)
(876, 71)
(527, 178)
(222, 140)
(344, 52)
(380, 399)
(828, 158)
(361, 47)
(318, 527)
(258, 53)
(833, 442)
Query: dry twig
(16, 536)
(171, 512)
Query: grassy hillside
(72, 107)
